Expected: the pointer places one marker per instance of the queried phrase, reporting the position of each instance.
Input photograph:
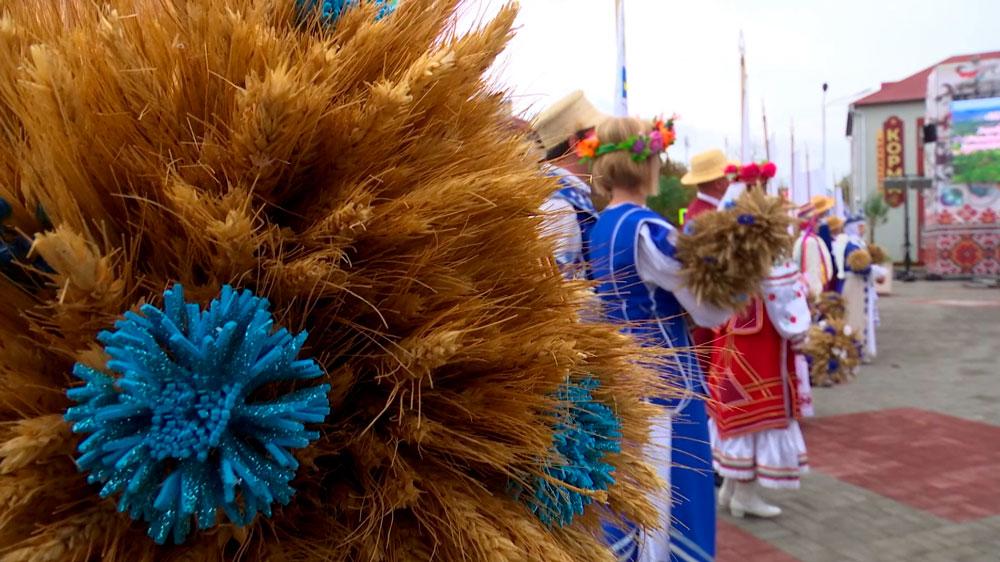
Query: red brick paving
(733, 544)
(940, 464)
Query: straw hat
(707, 166)
(565, 117)
(816, 206)
(835, 223)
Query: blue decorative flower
(729, 204)
(830, 330)
(746, 219)
(832, 365)
(331, 10)
(585, 431)
(689, 228)
(194, 423)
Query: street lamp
(906, 183)
(825, 87)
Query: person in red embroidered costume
(754, 390)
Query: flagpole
(621, 77)
(792, 182)
(767, 140)
(809, 189)
(744, 108)
(825, 86)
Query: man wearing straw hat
(571, 209)
(708, 173)
(810, 251)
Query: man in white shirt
(570, 209)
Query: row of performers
(747, 364)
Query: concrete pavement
(906, 458)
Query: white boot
(726, 492)
(747, 500)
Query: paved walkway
(906, 458)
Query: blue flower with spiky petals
(195, 420)
(585, 431)
(331, 10)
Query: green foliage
(877, 212)
(978, 167)
(673, 196)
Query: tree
(877, 211)
(672, 196)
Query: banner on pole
(621, 77)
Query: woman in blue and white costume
(632, 256)
(858, 287)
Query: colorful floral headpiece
(640, 147)
(752, 173)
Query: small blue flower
(184, 429)
(746, 219)
(830, 330)
(585, 431)
(708, 259)
(729, 204)
(689, 228)
(832, 365)
(332, 10)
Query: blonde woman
(632, 256)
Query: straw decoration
(833, 352)
(829, 305)
(355, 173)
(728, 253)
(878, 254)
(859, 261)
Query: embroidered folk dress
(814, 261)
(632, 253)
(755, 388)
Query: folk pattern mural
(962, 228)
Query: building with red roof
(886, 129)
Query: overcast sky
(683, 57)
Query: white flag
(621, 78)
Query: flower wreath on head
(640, 147)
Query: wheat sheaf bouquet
(272, 289)
(727, 253)
(833, 350)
